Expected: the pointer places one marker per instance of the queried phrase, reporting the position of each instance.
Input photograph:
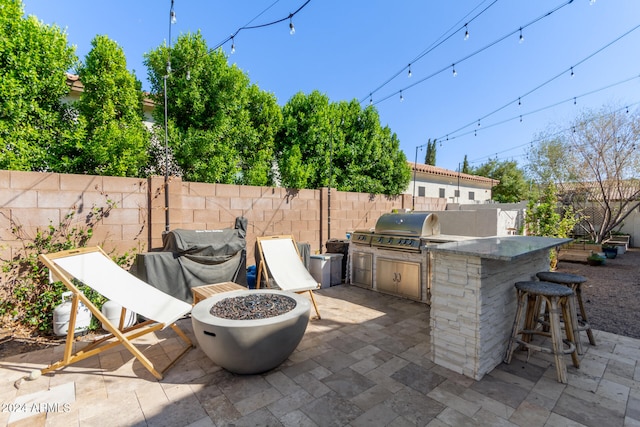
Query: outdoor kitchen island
(473, 298)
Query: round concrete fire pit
(232, 330)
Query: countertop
(505, 248)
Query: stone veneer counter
(473, 298)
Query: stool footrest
(570, 346)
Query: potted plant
(595, 259)
(610, 251)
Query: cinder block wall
(33, 200)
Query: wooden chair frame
(264, 269)
(123, 336)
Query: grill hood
(410, 224)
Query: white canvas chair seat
(94, 268)
(280, 257)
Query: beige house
(456, 187)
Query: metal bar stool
(557, 298)
(575, 283)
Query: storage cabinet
(362, 269)
(398, 277)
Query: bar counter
(473, 298)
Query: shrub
(27, 296)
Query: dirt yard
(612, 292)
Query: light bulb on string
(168, 68)
(233, 45)
(401, 97)
(173, 17)
(519, 102)
(409, 72)
(370, 99)
(292, 29)
(466, 32)
(478, 122)
(453, 70)
(520, 118)
(574, 100)
(521, 39)
(188, 74)
(571, 72)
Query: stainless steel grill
(400, 231)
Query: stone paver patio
(366, 363)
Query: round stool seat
(544, 288)
(562, 278)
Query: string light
(409, 72)
(188, 74)
(466, 32)
(292, 29)
(495, 42)
(521, 39)
(233, 45)
(268, 24)
(520, 118)
(453, 68)
(172, 15)
(571, 72)
(401, 97)
(451, 32)
(519, 102)
(560, 75)
(370, 99)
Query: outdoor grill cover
(193, 258)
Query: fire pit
(249, 332)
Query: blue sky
(348, 49)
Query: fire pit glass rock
(249, 332)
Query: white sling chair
(94, 268)
(280, 257)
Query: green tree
(595, 164)
(222, 127)
(117, 142)
(34, 58)
(430, 156)
(513, 186)
(546, 217)
(338, 144)
(304, 142)
(465, 165)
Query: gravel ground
(612, 292)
